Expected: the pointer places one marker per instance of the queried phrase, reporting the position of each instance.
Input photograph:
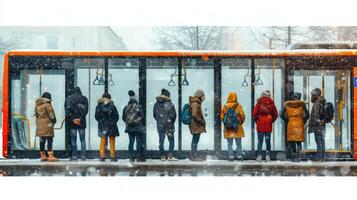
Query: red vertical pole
(5, 106)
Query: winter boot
(51, 157)
(259, 158)
(171, 157)
(267, 158)
(163, 158)
(43, 156)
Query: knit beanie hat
(199, 93)
(46, 95)
(107, 95)
(165, 92)
(266, 93)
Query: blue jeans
(139, 143)
(320, 143)
(230, 147)
(171, 139)
(261, 136)
(82, 137)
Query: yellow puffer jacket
(231, 103)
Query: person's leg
(260, 143)
(161, 144)
(230, 148)
(171, 139)
(194, 143)
(131, 145)
(140, 145)
(298, 150)
(318, 140)
(112, 147)
(42, 143)
(49, 143)
(268, 142)
(239, 148)
(74, 143)
(51, 156)
(82, 137)
(323, 144)
(103, 141)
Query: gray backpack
(133, 117)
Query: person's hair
(107, 95)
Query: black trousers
(43, 142)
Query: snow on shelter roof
(206, 53)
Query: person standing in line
(165, 115)
(45, 122)
(134, 118)
(295, 115)
(76, 108)
(264, 115)
(198, 124)
(317, 124)
(232, 116)
(107, 116)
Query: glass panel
(200, 75)
(236, 77)
(337, 91)
(90, 78)
(160, 73)
(269, 76)
(123, 76)
(27, 87)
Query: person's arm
(223, 112)
(85, 102)
(194, 112)
(154, 111)
(275, 113)
(115, 114)
(306, 115)
(283, 115)
(97, 114)
(51, 113)
(241, 114)
(173, 114)
(123, 116)
(255, 112)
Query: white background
(177, 12)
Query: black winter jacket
(107, 116)
(165, 115)
(76, 106)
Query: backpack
(230, 120)
(132, 115)
(329, 112)
(186, 114)
(265, 109)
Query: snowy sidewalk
(32, 167)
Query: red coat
(264, 114)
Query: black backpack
(329, 112)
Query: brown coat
(231, 103)
(45, 118)
(296, 115)
(198, 124)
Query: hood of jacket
(193, 99)
(162, 98)
(232, 100)
(77, 91)
(104, 101)
(294, 103)
(265, 100)
(41, 101)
